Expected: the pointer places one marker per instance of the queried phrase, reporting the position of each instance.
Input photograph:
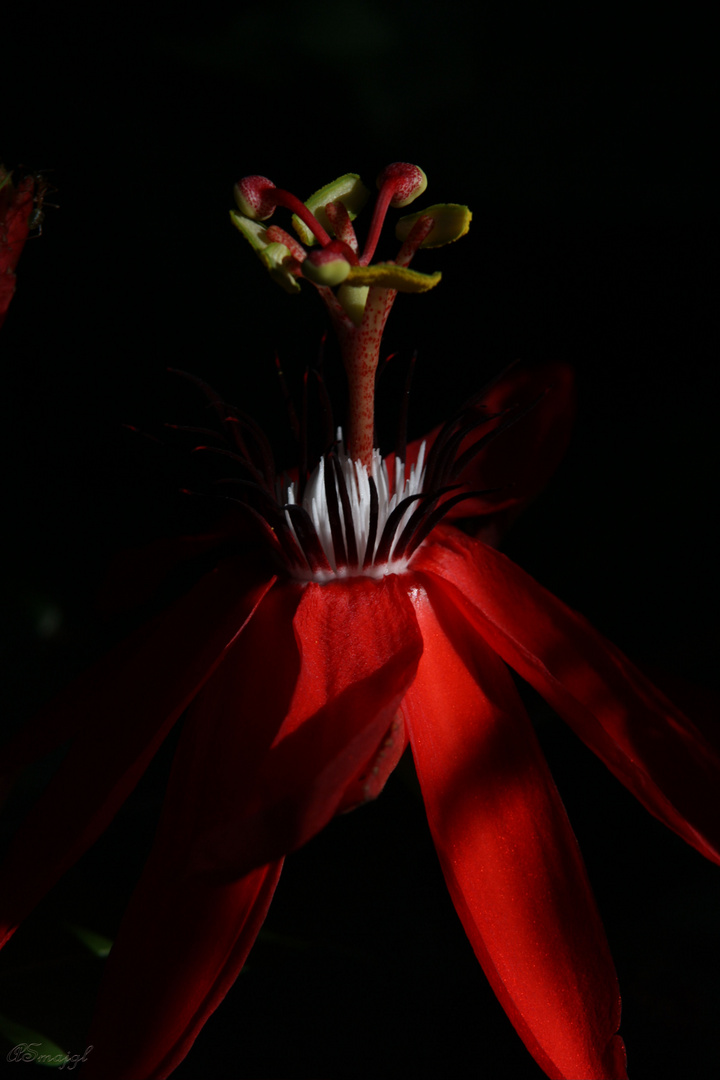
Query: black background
(580, 138)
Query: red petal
(359, 647)
(520, 461)
(181, 946)
(508, 852)
(271, 743)
(650, 746)
(119, 713)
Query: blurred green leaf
(30, 1045)
(98, 944)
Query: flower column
(357, 293)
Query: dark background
(580, 138)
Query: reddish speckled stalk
(361, 351)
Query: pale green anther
(273, 258)
(451, 221)
(271, 255)
(348, 189)
(253, 231)
(352, 299)
(390, 276)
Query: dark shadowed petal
(187, 639)
(187, 931)
(136, 574)
(516, 465)
(508, 852)
(184, 942)
(118, 713)
(359, 647)
(650, 746)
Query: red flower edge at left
(16, 205)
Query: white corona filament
(357, 483)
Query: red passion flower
(386, 625)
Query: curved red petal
(508, 852)
(118, 713)
(650, 746)
(182, 944)
(359, 648)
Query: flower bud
(253, 197)
(408, 181)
